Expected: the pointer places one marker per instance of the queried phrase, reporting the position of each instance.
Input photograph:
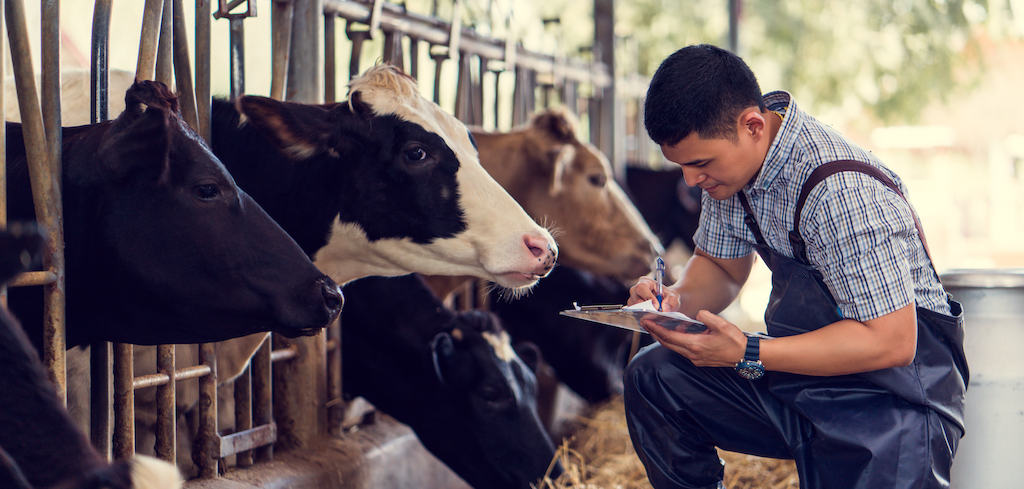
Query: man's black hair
(700, 89)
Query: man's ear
(752, 124)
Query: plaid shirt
(859, 233)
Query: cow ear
(300, 131)
(357, 106)
(529, 353)
(442, 351)
(137, 144)
(556, 124)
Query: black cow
(40, 447)
(587, 357)
(161, 245)
(670, 207)
(452, 377)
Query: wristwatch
(750, 366)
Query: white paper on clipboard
(629, 317)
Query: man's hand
(722, 345)
(646, 288)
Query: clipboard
(629, 317)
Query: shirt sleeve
(861, 238)
(717, 234)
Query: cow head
(493, 389)
(568, 184)
(178, 252)
(413, 196)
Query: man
(863, 380)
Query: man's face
(719, 166)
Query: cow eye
(495, 398)
(416, 155)
(207, 192)
(598, 179)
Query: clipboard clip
(598, 307)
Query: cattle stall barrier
(294, 381)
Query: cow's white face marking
(502, 345)
(501, 242)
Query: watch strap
(753, 352)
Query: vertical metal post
(734, 25)
(330, 58)
(101, 360)
(203, 99)
(356, 37)
(124, 401)
(281, 26)
(165, 46)
(183, 68)
(262, 394)
(602, 120)
(237, 64)
(414, 58)
(166, 414)
(152, 16)
(99, 61)
(300, 390)
(243, 412)
(45, 177)
(205, 444)
(304, 70)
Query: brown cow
(567, 185)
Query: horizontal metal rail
(434, 31)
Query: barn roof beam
(435, 31)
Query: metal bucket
(990, 451)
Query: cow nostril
(537, 246)
(334, 299)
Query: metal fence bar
(204, 106)
(124, 401)
(281, 26)
(149, 40)
(243, 414)
(166, 413)
(262, 402)
(206, 440)
(183, 69)
(44, 174)
(165, 46)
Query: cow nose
(334, 299)
(537, 245)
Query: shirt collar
(785, 140)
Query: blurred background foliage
(889, 58)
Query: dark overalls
(891, 428)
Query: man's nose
(693, 176)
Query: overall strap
(826, 170)
(748, 219)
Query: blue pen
(659, 275)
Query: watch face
(750, 370)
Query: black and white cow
(385, 184)
(160, 244)
(40, 447)
(454, 378)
